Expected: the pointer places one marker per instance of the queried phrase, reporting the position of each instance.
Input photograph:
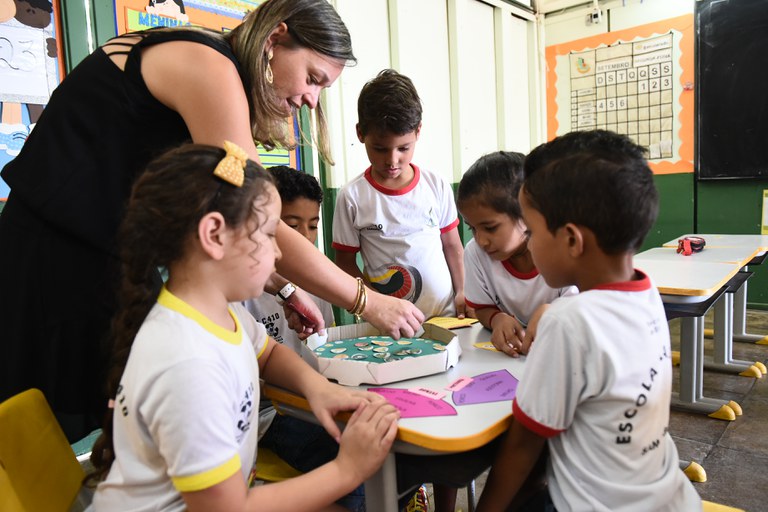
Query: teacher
(138, 95)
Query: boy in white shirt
(598, 378)
(401, 218)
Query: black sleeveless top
(99, 130)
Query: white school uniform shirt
(185, 412)
(497, 284)
(598, 384)
(398, 235)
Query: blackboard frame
(731, 129)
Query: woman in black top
(139, 94)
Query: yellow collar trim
(174, 303)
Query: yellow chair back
(38, 469)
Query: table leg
(690, 396)
(722, 359)
(740, 319)
(381, 488)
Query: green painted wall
(735, 207)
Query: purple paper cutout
(496, 386)
(412, 405)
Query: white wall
(471, 61)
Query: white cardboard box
(353, 373)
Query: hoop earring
(268, 72)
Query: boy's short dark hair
(389, 103)
(292, 184)
(597, 179)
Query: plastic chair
(38, 469)
(271, 468)
(708, 506)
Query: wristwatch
(285, 293)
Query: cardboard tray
(349, 372)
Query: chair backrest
(38, 469)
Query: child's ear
(574, 238)
(360, 136)
(418, 131)
(212, 232)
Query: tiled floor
(734, 454)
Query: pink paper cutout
(429, 393)
(412, 405)
(459, 383)
(496, 386)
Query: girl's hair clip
(231, 168)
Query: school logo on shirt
(244, 414)
(401, 281)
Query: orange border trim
(682, 24)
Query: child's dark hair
(597, 179)
(494, 179)
(166, 204)
(293, 184)
(389, 103)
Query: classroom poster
(637, 82)
(29, 70)
(133, 15)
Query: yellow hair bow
(231, 168)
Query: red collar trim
(394, 191)
(520, 275)
(639, 283)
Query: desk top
(759, 242)
(741, 254)
(474, 425)
(685, 276)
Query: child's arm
(454, 257)
(281, 366)
(520, 450)
(347, 261)
(507, 333)
(364, 445)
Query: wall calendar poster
(637, 82)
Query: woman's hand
(508, 334)
(302, 314)
(392, 316)
(329, 399)
(367, 438)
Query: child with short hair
(598, 380)
(303, 445)
(187, 364)
(301, 197)
(502, 284)
(401, 218)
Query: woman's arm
(209, 96)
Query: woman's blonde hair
(312, 24)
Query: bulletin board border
(682, 24)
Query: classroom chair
(271, 468)
(38, 469)
(708, 506)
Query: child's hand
(330, 399)
(367, 438)
(530, 332)
(508, 334)
(302, 314)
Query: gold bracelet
(360, 300)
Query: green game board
(378, 349)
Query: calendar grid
(627, 88)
